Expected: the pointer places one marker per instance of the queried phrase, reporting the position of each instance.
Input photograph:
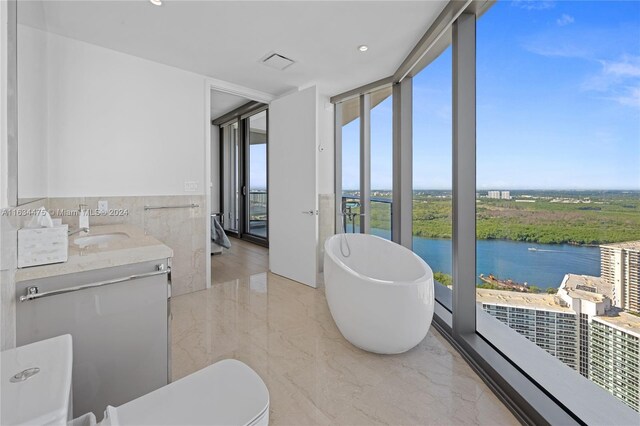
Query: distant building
(505, 195)
(493, 194)
(620, 268)
(538, 317)
(588, 297)
(581, 327)
(614, 361)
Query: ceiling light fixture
(363, 48)
(156, 2)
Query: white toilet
(36, 390)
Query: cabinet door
(119, 331)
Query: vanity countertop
(135, 249)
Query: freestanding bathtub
(380, 294)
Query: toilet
(36, 390)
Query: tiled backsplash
(182, 229)
(10, 224)
(326, 224)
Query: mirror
(31, 118)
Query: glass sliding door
(244, 176)
(257, 212)
(230, 176)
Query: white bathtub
(380, 294)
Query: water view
(543, 265)
(533, 237)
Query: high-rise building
(493, 194)
(541, 318)
(588, 297)
(613, 351)
(620, 268)
(505, 195)
(581, 327)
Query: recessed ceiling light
(363, 48)
(156, 2)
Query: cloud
(565, 20)
(628, 66)
(582, 41)
(534, 4)
(631, 97)
(614, 73)
(619, 80)
(566, 50)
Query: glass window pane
(381, 162)
(558, 183)
(432, 166)
(257, 223)
(351, 165)
(230, 179)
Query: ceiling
(228, 39)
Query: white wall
(326, 145)
(32, 113)
(4, 202)
(120, 125)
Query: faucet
(83, 220)
(77, 231)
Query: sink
(100, 240)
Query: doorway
(244, 195)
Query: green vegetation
(442, 278)
(548, 217)
(446, 279)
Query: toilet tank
(36, 383)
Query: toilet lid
(225, 393)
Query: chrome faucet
(83, 220)
(77, 231)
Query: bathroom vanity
(113, 297)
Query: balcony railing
(258, 213)
(380, 215)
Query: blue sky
(258, 167)
(558, 95)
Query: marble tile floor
(242, 260)
(285, 332)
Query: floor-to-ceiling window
(366, 135)
(558, 181)
(350, 203)
(432, 163)
(257, 182)
(526, 196)
(381, 194)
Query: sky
(558, 103)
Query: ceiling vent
(278, 62)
